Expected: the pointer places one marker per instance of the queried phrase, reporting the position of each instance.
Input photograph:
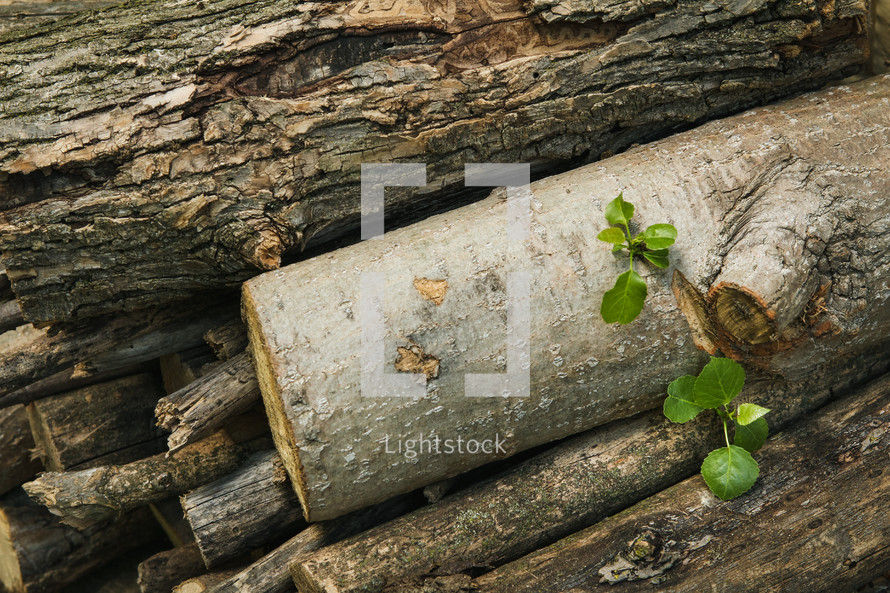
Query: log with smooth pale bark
(65, 356)
(109, 423)
(18, 463)
(38, 554)
(783, 235)
(164, 570)
(558, 492)
(814, 522)
(232, 135)
(201, 407)
(243, 510)
(83, 497)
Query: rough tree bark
(242, 511)
(164, 570)
(106, 424)
(558, 492)
(761, 202)
(199, 155)
(84, 497)
(824, 490)
(198, 409)
(38, 554)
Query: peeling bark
(200, 155)
(795, 191)
(823, 491)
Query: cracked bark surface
(157, 149)
(782, 216)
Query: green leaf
(659, 236)
(729, 471)
(751, 436)
(611, 235)
(721, 380)
(618, 248)
(618, 211)
(659, 258)
(748, 413)
(678, 406)
(625, 301)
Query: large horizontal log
(18, 464)
(761, 202)
(558, 492)
(105, 424)
(38, 554)
(84, 497)
(234, 134)
(815, 521)
(243, 511)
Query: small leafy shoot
(728, 471)
(623, 303)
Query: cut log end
(694, 307)
(282, 433)
(10, 571)
(743, 314)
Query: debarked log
(780, 274)
(201, 155)
(38, 554)
(242, 511)
(558, 492)
(84, 497)
(815, 521)
(105, 424)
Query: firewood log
(164, 570)
(187, 366)
(18, 463)
(227, 340)
(83, 497)
(243, 510)
(783, 236)
(234, 136)
(105, 424)
(815, 521)
(38, 554)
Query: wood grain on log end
(743, 314)
(695, 308)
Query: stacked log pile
(178, 414)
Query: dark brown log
(203, 406)
(163, 571)
(109, 423)
(270, 573)
(235, 135)
(38, 554)
(10, 315)
(98, 347)
(227, 340)
(558, 492)
(204, 582)
(183, 368)
(815, 521)
(786, 273)
(18, 463)
(244, 510)
(83, 497)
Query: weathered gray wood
(100, 348)
(30, 14)
(198, 409)
(558, 492)
(227, 340)
(18, 464)
(10, 315)
(762, 204)
(234, 135)
(83, 497)
(815, 521)
(38, 554)
(164, 570)
(270, 573)
(109, 423)
(243, 510)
